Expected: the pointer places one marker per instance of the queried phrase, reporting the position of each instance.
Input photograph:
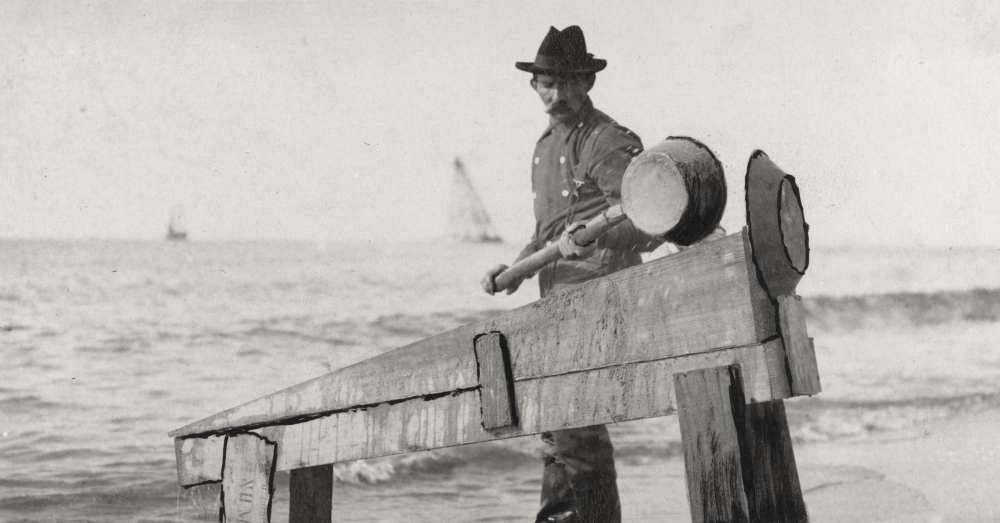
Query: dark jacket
(576, 173)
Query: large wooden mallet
(675, 191)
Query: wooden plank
(764, 309)
(695, 301)
(248, 479)
(772, 484)
(600, 396)
(712, 458)
(202, 465)
(496, 382)
(777, 365)
(310, 492)
(804, 373)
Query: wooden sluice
(714, 334)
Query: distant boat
(467, 217)
(177, 230)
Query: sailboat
(467, 217)
(177, 230)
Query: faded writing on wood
(247, 479)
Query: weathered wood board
(738, 455)
(599, 396)
(199, 460)
(798, 346)
(712, 458)
(247, 479)
(772, 485)
(698, 300)
(496, 392)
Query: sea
(109, 345)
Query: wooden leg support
(311, 495)
(738, 457)
(247, 479)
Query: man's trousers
(579, 480)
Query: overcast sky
(336, 120)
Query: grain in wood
(771, 478)
(199, 460)
(802, 367)
(712, 458)
(496, 383)
(248, 479)
(600, 396)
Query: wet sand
(945, 470)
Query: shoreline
(938, 471)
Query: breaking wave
(918, 308)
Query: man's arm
(488, 280)
(613, 151)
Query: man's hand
(569, 248)
(489, 284)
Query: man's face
(563, 96)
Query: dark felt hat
(563, 52)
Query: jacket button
(562, 159)
(565, 192)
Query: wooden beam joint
(496, 381)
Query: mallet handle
(534, 263)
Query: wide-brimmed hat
(563, 52)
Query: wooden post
(311, 495)
(711, 446)
(247, 479)
(773, 485)
(738, 458)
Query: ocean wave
(903, 308)
(494, 455)
(30, 403)
(272, 332)
(817, 419)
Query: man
(576, 173)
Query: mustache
(558, 107)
